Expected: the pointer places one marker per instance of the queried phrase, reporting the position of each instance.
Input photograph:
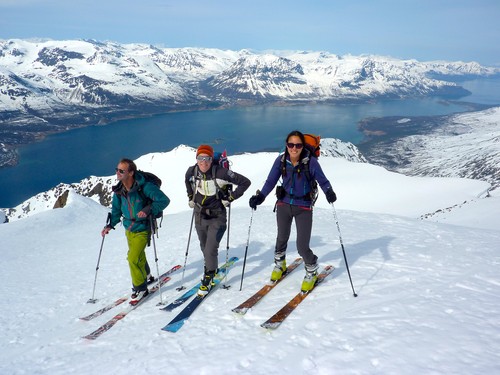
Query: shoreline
(9, 156)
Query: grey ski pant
(285, 213)
(210, 232)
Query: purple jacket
(295, 182)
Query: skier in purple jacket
(299, 171)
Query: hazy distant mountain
(50, 86)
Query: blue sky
(465, 30)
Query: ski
(179, 301)
(278, 318)
(188, 294)
(177, 323)
(119, 301)
(110, 323)
(253, 300)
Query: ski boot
(206, 283)
(278, 270)
(310, 278)
(137, 296)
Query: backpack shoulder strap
(214, 178)
(283, 165)
(312, 182)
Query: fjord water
(71, 156)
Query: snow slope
(428, 291)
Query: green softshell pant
(136, 257)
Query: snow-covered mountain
(42, 75)
(99, 188)
(427, 291)
(462, 145)
(51, 86)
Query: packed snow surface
(427, 288)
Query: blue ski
(179, 301)
(189, 293)
(177, 323)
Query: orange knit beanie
(205, 149)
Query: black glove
(256, 199)
(228, 200)
(330, 196)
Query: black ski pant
(285, 213)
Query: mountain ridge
(99, 188)
(53, 86)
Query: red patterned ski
(110, 323)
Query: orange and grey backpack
(312, 144)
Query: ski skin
(110, 323)
(253, 300)
(119, 301)
(177, 322)
(187, 295)
(278, 318)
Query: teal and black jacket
(128, 204)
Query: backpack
(154, 179)
(313, 146)
(220, 158)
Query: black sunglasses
(121, 171)
(298, 146)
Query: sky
(425, 30)
(427, 291)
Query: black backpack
(154, 179)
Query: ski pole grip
(108, 219)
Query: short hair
(132, 167)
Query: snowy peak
(265, 76)
(331, 147)
(54, 86)
(360, 186)
(144, 72)
(99, 188)
(53, 56)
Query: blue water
(95, 150)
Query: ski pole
(154, 229)
(224, 286)
(246, 251)
(186, 256)
(343, 250)
(93, 300)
